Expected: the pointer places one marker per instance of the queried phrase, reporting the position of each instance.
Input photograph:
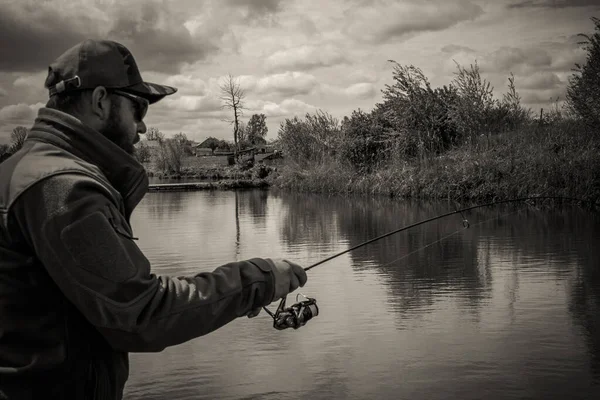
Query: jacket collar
(121, 169)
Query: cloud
(453, 49)
(542, 97)
(554, 3)
(158, 38)
(361, 90)
(539, 80)
(256, 8)
(287, 108)
(20, 113)
(305, 58)
(31, 82)
(286, 84)
(3, 92)
(186, 84)
(194, 103)
(511, 58)
(550, 56)
(33, 34)
(384, 20)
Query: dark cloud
(554, 3)
(546, 57)
(3, 92)
(257, 7)
(30, 41)
(158, 40)
(509, 58)
(32, 35)
(453, 49)
(543, 97)
(540, 80)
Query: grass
(213, 169)
(558, 160)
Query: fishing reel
(296, 315)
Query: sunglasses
(140, 104)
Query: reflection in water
(508, 308)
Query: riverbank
(220, 185)
(558, 160)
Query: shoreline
(561, 160)
(214, 185)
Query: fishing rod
(300, 313)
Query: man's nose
(141, 127)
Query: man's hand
(288, 277)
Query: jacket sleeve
(87, 248)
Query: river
(508, 308)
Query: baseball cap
(94, 63)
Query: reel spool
(296, 315)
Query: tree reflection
(585, 290)
(165, 205)
(463, 263)
(253, 203)
(416, 275)
(310, 218)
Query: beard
(113, 130)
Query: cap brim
(153, 92)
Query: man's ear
(100, 103)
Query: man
(76, 293)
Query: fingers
(299, 273)
(253, 313)
(288, 277)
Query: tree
(256, 130)
(170, 155)
(212, 143)
(313, 139)
(242, 135)
(583, 92)
(224, 145)
(365, 144)
(18, 136)
(232, 96)
(142, 152)
(154, 134)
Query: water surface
(506, 309)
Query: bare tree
(232, 96)
(18, 136)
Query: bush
(417, 114)
(310, 140)
(170, 155)
(583, 92)
(364, 143)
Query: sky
(292, 57)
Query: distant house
(203, 151)
(204, 144)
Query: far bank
(557, 161)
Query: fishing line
(300, 313)
(452, 234)
(461, 211)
